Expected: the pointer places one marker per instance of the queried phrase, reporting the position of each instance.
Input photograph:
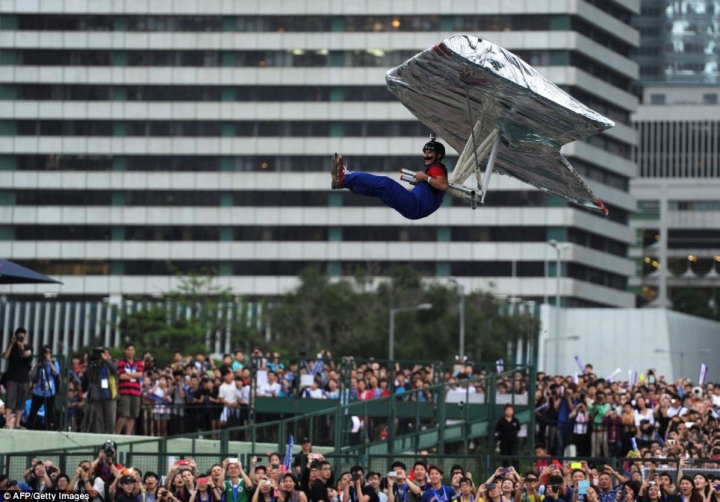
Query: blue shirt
(444, 494)
(44, 381)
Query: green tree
(198, 311)
(694, 302)
(351, 317)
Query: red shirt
(129, 387)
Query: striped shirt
(129, 387)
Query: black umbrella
(12, 273)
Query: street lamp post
(557, 339)
(559, 248)
(391, 348)
(682, 356)
(461, 310)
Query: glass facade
(680, 41)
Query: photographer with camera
(43, 376)
(7, 487)
(101, 384)
(17, 377)
(105, 466)
(554, 489)
(38, 477)
(84, 481)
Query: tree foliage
(190, 318)
(351, 317)
(697, 303)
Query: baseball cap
(126, 480)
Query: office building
(140, 138)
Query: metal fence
(405, 422)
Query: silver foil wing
(464, 80)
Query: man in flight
(420, 202)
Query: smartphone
(202, 481)
(258, 460)
(392, 474)
(505, 469)
(671, 442)
(275, 466)
(576, 465)
(233, 460)
(184, 462)
(583, 487)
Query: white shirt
(647, 416)
(314, 394)
(269, 389)
(671, 412)
(581, 426)
(227, 391)
(715, 400)
(243, 394)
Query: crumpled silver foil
(534, 116)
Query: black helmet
(435, 146)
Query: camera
(11, 483)
(555, 488)
(51, 470)
(163, 494)
(108, 448)
(356, 476)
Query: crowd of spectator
(589, 416)
(311, 478)
(581, 415)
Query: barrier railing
(439, 413)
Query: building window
(657, 99)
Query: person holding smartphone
(237, 482)
(399, 487)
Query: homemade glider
(489, 104)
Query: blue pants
(420, 202)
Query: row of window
(214, 128)
(185, 163)
(615, 9)
(282, 24)
(209, 58)
(290, 58)
(694, 205)
(588, 171)
(252, 93)
(308, 233)
(214, 198)
(60, 92)
(293, 268)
